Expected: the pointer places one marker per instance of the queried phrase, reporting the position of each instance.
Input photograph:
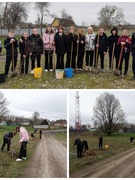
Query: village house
(41, 124)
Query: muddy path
(49, 159)
(121, 165)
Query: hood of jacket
(116, 29)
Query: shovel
(112, 58)
(117, 71)
(76, 56)
(95, 70)
(14, 73)
(71, 54)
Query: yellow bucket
(37, 72)
(59, 73)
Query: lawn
(9, 168)
(62, 137)
(117, 143)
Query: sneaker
(124, 75)
(18, 159)
(51, 70)
(90, 68)
(86, 69)
(102, 70)
(32, 72)
(24, 158)
(46, 70)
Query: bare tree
(65, 14)
(43, 9)
(108, 113)
(110, 16)
(14, 13)
(3, 106)
(35, 116)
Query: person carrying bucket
(71, 44)
(48, 41)
(60, 45)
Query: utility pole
(77, 112)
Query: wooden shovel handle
(120, 56)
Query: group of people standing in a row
(74, 46)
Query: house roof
(41, 122)
(61, 121)
(65, 22)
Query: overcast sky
(88, 99)
(49, 103)
(85, 11)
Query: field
(9, 168)
(117, 143)
(81, 80)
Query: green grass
(9, 168)
(85, 80)
(61, 136)
(117, 143)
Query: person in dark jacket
(81, 48)
(78, 143)
(40, 133)
(36, 48)
(0, 47)
(131, 139)
(112, 44)
(85, 146)
(100, 142)
(124, 41)
(133, 54)
(7, 140)
(60, 45)
(9, 43)
(25, 51)
(71, 44)
(102, 46)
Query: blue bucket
(69, 72)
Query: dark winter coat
(25, 46)
(8, 47)
(78, 143)
(133, 42)
(8, 136)
(70, 38)
(36, 44)
(103, 43)
(85, 145)
(100, 139)
(60, 43)
(81, 46)
(113, 39)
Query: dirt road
(119, 166)
(49, 159)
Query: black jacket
(8, 136)
(60, 43)
(8, 47)
(36, 44)
(70, 38)
(133, 42)
(81, 46)
(78, 143)
(103, 42)
(25, 46)
(113, 39)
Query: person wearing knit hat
(24, 137)
(113, 50)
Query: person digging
(7, 140)
(24, 137)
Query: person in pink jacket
(48, 41)
(24, 137)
